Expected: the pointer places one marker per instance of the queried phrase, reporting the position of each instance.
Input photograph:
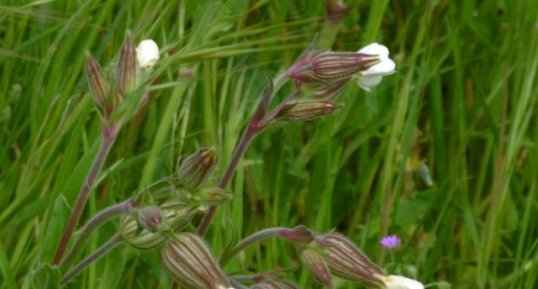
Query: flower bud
(195, 169)
(346, 260)
(137, 236)
(190, 262)
(150, 218)
(311, 109)
(147, 53)
(98, 85)
(322, 90)
(126, 69)
(139, 233)
(316, 264)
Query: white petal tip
(147, 53)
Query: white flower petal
(373, 75)
(147, 53)
(366, 82)
(400, 282)
(385, 67)
(375, 49)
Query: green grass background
(463, 100)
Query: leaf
(45, 276)
(9, 279)
(55, 228)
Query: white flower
(372, 76)
(400, 282)
(147, 53)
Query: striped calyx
(126, 69)
(188, 259)
(99, 87)
(346, 260)
(328, 67)
(196, 168)
(317, 265)
(310, 109)
(333, 66)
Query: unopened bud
(311, 109)
(195, 169)
(347, 261)
(150, 218)
(146, 234)
(191, 263)
(316, 264)
(99, 87)
(137, 236)
(322, 90)
(126, 69)
(274, 284)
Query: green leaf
(9, 279)
(55, 228)
(45, 276)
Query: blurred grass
(466, 80)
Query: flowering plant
(162, 214)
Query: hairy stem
(256, 237)
(100, 218)
(109, 136)
(109, 245)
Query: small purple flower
(390, 242)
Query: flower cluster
(166, 207)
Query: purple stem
(109, 136)
(258, 236)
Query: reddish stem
(109, 136)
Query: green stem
(109, 136)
